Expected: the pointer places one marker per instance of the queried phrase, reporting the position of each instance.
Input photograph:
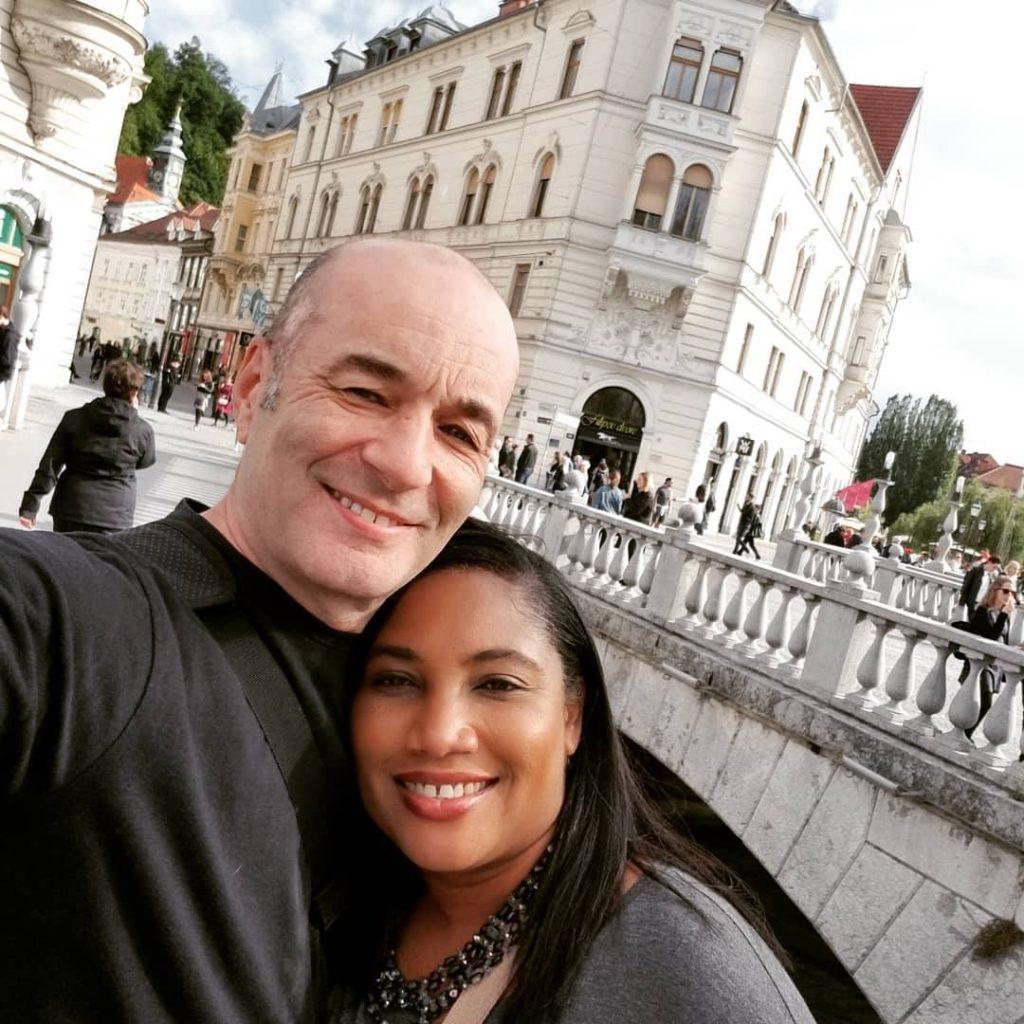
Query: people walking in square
(609, 497)
(751, 529)
(746, 512)
(507, 458)
(977, 581)
(97, 361)
(91, 460)
(662, 501)
(169, 378)
(223, 403)
(204, 389)
(526, 462)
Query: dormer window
(683, 69)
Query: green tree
(926, 437)
(211, 115)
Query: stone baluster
(800, 638)
(756, 623)
(696, 595)
(508, 510)
(653, 557)
(900, 684)
(1017, 628)
(662, 579)
(949, 525)
(873, 523)
(634, 572)
(871, 671)
(923, 598)
(933, 692)
(578, 546)
(518, 515)
(487, 493)
(594, 565)
(887, 581)
(736, 613)
(554, 533)
(809, 566)
(714, 607)
(1002, 725)
(620, 562)
(779, 628)
(535, 524)
(965, 708)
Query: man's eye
(460, 435)
(366, 395)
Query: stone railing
(826, 633)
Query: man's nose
(442, 728)
(402, 452)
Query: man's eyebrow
(504, 654)
(474, 410)
(368, 364)
(395, 651)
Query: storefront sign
(745, 445)
(599, 422)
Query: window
(371, 217)
(773, 244)
(828, 304)
(520, 276)
(572, 69)
(652, 196)
(773, 372)
(469, 196)
(254, 177)
(425, 193)
(494, 103)
(389, 118)
(486, 187)
(446, 110)
(720, 90)
(346, 129)
(435, 111)
(131, 270)
(510, 89)
(142, 273)
(824, 181)
(309, 141)
(859, 347)
(280, 173)
(804, 262)
(543, 180)
(692, 203)
(364, 209)
(881, 269)
(801, 123)
(332, 214)
(803, 392)
(321, 224)
(410, 204)
(276, 292)
(293, 209)
(849, 219)
(683, 69)
(748, 337)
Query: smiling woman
(504, 843)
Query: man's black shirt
(150, 860)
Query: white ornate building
(70, 68)
(697, 222)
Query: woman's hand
(28, 523)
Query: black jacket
(639, 506)
(990, 627)
(92, 458)
(9, 339)
(971, 587)
(527, 459)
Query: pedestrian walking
(599, 477)
(9, 341)
(746, 512)
(169, 378)
(527, 460)
(609, 497)
(202, 399)
(553, 478)
(751, 531)
(639, 506)
(662, 501)
(223, 403)
(574, 482)
(91, 460)
(507, 459)
(977, 580)
(705, 495)
(96, 364)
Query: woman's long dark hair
(606, 820)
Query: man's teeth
(364, 513)
(445, 792)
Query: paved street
(190, 463)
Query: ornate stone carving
(735, 33)
(43, 42)
(713, 125)
(698, 25)
(674, 117)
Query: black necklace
(434, 995)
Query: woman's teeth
(364, 513)
(445, 792)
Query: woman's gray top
(664, 960)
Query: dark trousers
(165, 397)
(62, 525)
(522, 475)
(199, 414)
(747, 543)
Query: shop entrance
(11, 252)
(611, 428)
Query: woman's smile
(442, 796)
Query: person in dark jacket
(169, 380)
(639, 506)
(977, 580)
(9, 340)
(507, 458)
(92, 458)
(753, 529)
(526, 461)
(743, 527)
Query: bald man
(168, 747)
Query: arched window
(371, 217)
(469, 196)
(333, 213)
(541, 191)
(486, 187)
(321, 224)
(425, 193)
(652, 196)
(828, 304)
(364, 210)
(804, 262)
(824, 181)
(410, 204)
(724, 76)
(293, 209)
(773, 244)
(692, 203)
(683, 69)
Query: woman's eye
(499, 684)
(391, 681)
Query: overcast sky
(957, 334)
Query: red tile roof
(201, 215)
(132, 175)
(1008, 476)
(976, 463)
(886, 109)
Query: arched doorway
(782, 510)
(716, 456)
(11, 255)
(611, 428)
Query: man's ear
(250, 384)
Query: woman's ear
(573, 720)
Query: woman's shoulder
(677, 950)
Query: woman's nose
(442, 727)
